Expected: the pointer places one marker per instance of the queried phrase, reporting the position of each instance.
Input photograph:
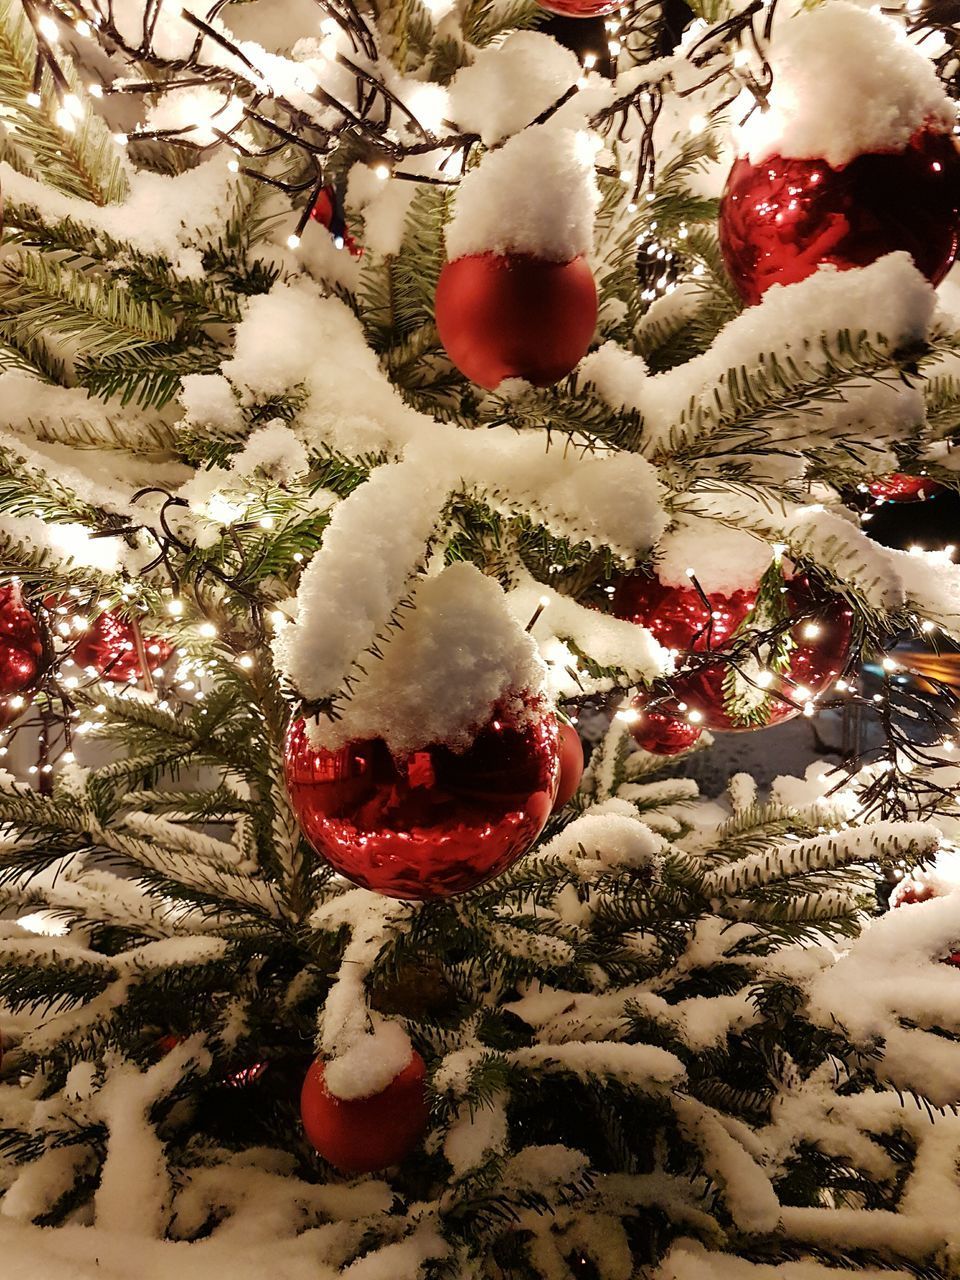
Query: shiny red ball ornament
(899, 487)
(781, 219)
(910, 891)
(580, 8)
(110, 647)
(515, 316)
(21, 644)
(429, 824)
(681, 619)
(365, 1135)
(663, 735)
(954, 959)
(571, 766)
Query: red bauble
(681, 620)
(910, 891)
(899, 487)
(781, 219)
(571, 766)
(110, 647)
(580, 8)
(663, 735)
(365, 1135)
(515, 316)
(432, 823)
(21, 645)
(954, 959)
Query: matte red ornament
(110, 647)
(365, 1135)
(515, 316)
(954, 959)
(663, 735)
(781, 219)
(429, 824)
(899, 487)
(571, 766)
(580, 8)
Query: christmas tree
(394, 398)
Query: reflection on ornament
(781, 219)
(663, 735)
(432, 823)
(109, 646)
(899, 487)
(515, 316)
(365, 1135)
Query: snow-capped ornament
(515, 316)
(365, 1135)
(328, 211)
(110, 647)
(813, 650)
(432, 823)
(571, 766)
(783, 218)
(852, 157)
(517, 298)
(663, 735)
(21, 652)
(900, 487)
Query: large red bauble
(515, 316)
(781, 219)
(109, 646)
(365, 1135)
(580, 8)
(571, 766)
(21, 645)
(663, 735)
(899, 487)
(432, 823)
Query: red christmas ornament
(663, 735)
(110, 647)
(432, 823)
(580, 8)
(954, 959)
(365, 1135)
(328, 211)
(21, 645)
(571, 766)
(910, 891)
(781, 219)
(681, 619)
(515, 316)
(899, 487)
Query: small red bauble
(899, 487)
(580, 8)
(954, 959)
(910, 891)
(365, 1135)
(21, 645)
(110, 647)
(781, 219)
(663, 735)
(432, 823)
(515, 316)
(571, 766)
